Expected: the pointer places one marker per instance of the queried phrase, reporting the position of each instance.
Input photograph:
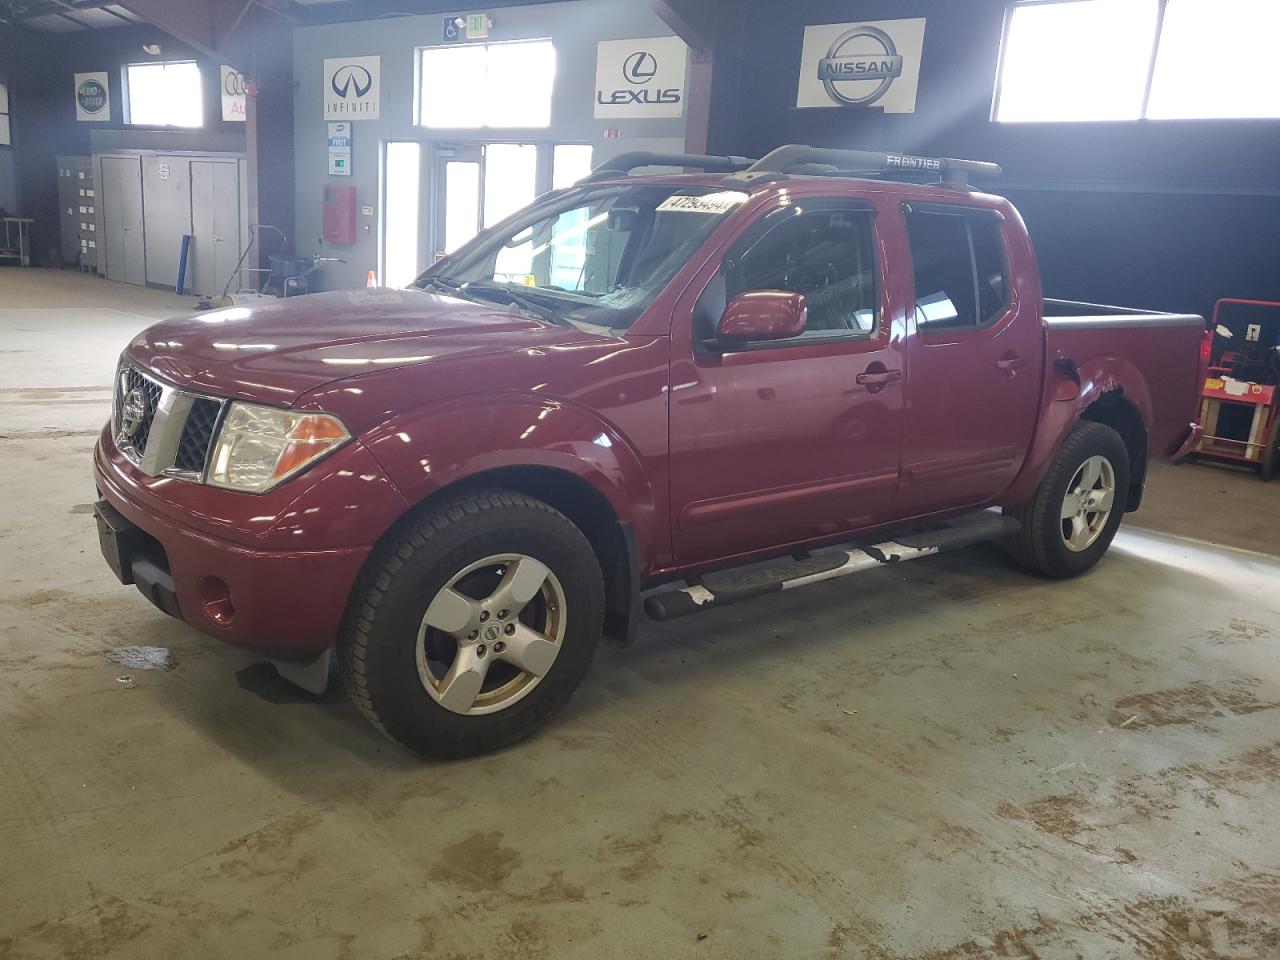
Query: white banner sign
(875, 64)
(233, 103)
(351, 88)
(641, 78)
(93, 96)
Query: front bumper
(287, 604)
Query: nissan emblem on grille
(132, 412)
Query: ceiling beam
(206, 25)
(691, 20)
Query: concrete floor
(945, 760)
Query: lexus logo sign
(641, 78)
(351, 88)
(640, 68)
(862, 65)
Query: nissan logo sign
(640, 68)
(860, 66)
(351, 77)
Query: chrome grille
(197, 435)
(160, 428)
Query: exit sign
(473, 26)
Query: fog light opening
(216, 597)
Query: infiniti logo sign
(640, 68)
(352, 88)
(351, 77)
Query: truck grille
(139, 426)
(160, 428)
(197, 435)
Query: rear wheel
(474, 625)
(1073, 517)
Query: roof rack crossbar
(800, 159)
(624, 163)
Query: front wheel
(1073, 517)
(474, 625)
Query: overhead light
(153, 49)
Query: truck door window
(960, 274)
(821, 250)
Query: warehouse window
(4, 116)
(1076, 60)
(1082, 60)
(486, 85)
(960, 272)
(164, 94)
(1191, 78)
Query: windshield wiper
(443, 283)
(512, 297)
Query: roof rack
(624, 163)
(799, 160)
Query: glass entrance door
(477, 185)
(459, 196)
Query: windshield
(597, 255)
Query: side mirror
(761, 315)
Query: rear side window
(960, 272)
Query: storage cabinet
(78, 212)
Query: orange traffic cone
(372, 281)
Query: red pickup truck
(630, 395)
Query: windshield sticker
(721, 202)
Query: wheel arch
(1106, 390)
(611, 537)
(1116, 410)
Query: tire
(396, 665)
(1042, 544)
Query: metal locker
(121, 199)
(215, 225)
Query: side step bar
(756, 581)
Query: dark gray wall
(1162, 214)
(42, 97)
(575, 28)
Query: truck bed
(1163, 347)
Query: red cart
(1240, 400)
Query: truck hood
(279, 350)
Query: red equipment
(1240, 400)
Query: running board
(720, 590)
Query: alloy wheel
(1088, 503)
(491, 634)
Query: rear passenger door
(788, 440)
(974, 354)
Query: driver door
(780, 442)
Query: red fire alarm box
(339, 214)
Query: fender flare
(427, 449)
(1070, 390)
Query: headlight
(261, 447)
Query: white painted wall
(575, 29)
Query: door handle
(878, 378)
(1011, 365)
